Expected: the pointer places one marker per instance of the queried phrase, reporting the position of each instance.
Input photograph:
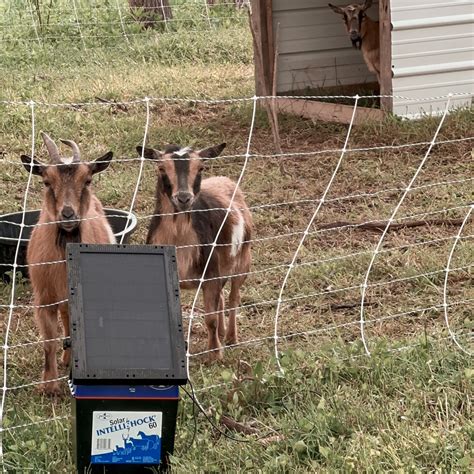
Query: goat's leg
(378, 74)
(47, 321)
(221, 329)
(64, 312)
(212, 292)
(231, 336)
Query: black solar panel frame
(80, 372)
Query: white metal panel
(432, 54)
(314, 48)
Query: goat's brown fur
(65, 184)
(363, 32)
(194, 221)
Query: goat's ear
(212, 152)
(367, 4)
(149, 153)
(101, 163)
(38, 168)
(336, 9)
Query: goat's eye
(200, 170)
(162, 170)
(88, 182)
(47, 184)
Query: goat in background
(70, 213)
(188, 213)
(363, 32)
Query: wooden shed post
(262, 26)
(385, 31)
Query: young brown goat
(67, 201)
(363, 32)
(189, 213)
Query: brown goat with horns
(70, 213)
(188, 214)
(363, 32)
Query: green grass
(334, 409)
(368, 438)
(34, 32)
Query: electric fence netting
(353, 241)
(113, 24)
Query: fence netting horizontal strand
(294, 154)
(224, 384)
(267, 269)
(356, 356)
(230, 100)
(333, 227)
(275, 267)
(295, 240)
(310, 332)
(285, 300)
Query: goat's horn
(51, 147)
(76, 154)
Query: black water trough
(10, 231)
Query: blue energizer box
(123, 429)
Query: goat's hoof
(230, 339)
(216, 355)
(51, 389)
(66, 358)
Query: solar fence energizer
(128, 355)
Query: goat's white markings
(237, 236)
(111, 235)
(182, 151)
(67, 160)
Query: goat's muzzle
(69, 220)
(356, 39)
(183, 201)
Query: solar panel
(125, 314)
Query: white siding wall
(314, 48)
(432, 53)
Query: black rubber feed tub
(10, 230)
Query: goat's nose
(184, 198)
(67, 212)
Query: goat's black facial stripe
(181, 166)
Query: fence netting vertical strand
(116, 24)
(310, 224)
(12, 305)
(390, 220)
(329, 213)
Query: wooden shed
(426, 49)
